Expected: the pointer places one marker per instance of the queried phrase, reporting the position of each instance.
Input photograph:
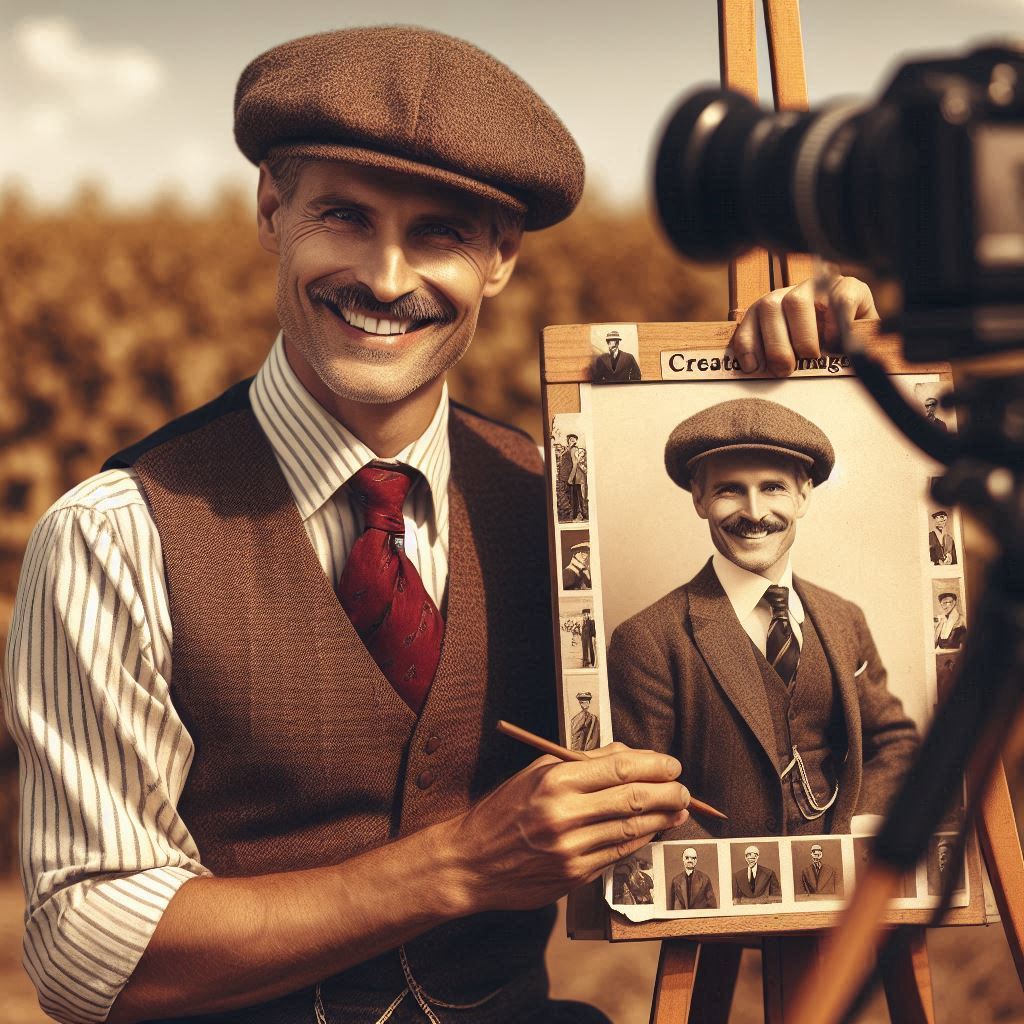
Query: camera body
(926, 186)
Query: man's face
(586, 615)
(816, 854)
(584, 556)
(940, 521)
(750, 855)
(613, 345)
(751, 501)
(689, 859)
(380, 278)
(584, 705)
(930, 405)
(947, 604)
(572, 440)
(943, 857)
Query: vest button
(425, 779)
(433, 742)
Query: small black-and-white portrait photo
(577, 634)
(929, 396)
(755, 872)
(633, 880)
(943, 863)
(948, 615)
(569, 448)
(585, 724)
(818, 869)
(616, 350)
(575, 550)
(861, 855)
(691, 876)
(946, 665)
(941, 545)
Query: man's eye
(346, 216)
(441, 231)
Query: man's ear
(803, 495)
(268, 211)
(697, 493)
(503, 262)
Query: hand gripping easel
(696, 979)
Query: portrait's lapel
(730, 655)
(841, 651)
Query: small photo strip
(569, 468)
(633, 883)
(948, 615)
(942, 546)
(577, 634)
(692, 880)
(615, 349)
(756, 873)
(574, 560)
(583, 711)
(929, 398)
(818, 870)
(941, 864)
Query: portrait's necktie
(750, 876)
(382, 592)
(781, 649)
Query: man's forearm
(225, 943)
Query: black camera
(926, 187)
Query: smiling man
(769, 689)
(255, 665)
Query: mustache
(419, 306)
(744, 526)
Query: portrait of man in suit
(755, 882)
(692, 889)
(818, 878)
(585, 729)
(576, 572)
(769, 688)
(616, 366)
(941, 548)
(943, 868)
(950, 629)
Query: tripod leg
(677, 975)
(787, 961)
(907, 977)
(716, 982)
(1001, 846)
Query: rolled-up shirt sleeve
(103, 754)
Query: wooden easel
(696, 979)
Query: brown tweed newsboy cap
(747, 424)
(415, 101)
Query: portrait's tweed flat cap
(414, 101)
(747, 424)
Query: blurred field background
(112, 322)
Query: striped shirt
(104, 755)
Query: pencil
(565, 754)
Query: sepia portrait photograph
(633, 882)
(756, 873)
(767, 596)
(818, 869)
(569, 449)
(577, 631)
(942, 547)
(948, 615)
(616, 351)
(575, 559)
(691, 876)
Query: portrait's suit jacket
(939, 547)
(702, 890)
(625, 370)
(684, 679)
(824, 883)
(766, 886)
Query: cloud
(93, 80)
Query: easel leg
(787, 961)
(696, 982)
(907, 978)
(1000, 844)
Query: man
(941, 547)
(585, 729)
(789, 727)
(588, 635)
(950, 631)
(755, 883)
(691, 889)
(931, 403)
(613, 366)
(237, 721)
(576, 575)
(818, 878)
(576, 478)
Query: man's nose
(753, 503)
(387, 272)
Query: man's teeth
(371, 325)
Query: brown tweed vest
(811, 717)
(305, 755)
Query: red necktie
(383, 594)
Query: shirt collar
(746, 589)
(317, 454)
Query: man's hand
(558, 824)
(783, 325)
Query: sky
(136, 95)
